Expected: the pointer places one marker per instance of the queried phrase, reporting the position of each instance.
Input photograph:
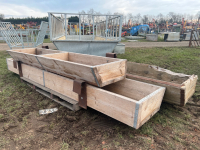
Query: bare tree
(138, 17)
(145, 19)
(90, 12)
(2, 17)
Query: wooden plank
(69, 69)
(27, 56)
(10, 65)
(110, 73)
(151, 106)
(90, 59)
(189, 87)
(174, 82)
(172, 93)
(127, 86)
(96, 70)
(81, 68)
(69, 103)
(112, 102)
(155, 72)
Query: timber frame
(128, 101)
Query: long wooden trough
(128, 101)
(179, 87)
(96, 70)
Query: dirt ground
(156, 44)
(21, 126)
(4, 46)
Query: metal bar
(65, 26)
(79, 14)
(120, 27)
(96, 29)
(70, 28)
(89, 27)
(50, 27)
(106, 27)
(79, 27)
(22, 39)
(190, 43)
(83, 27)
(116, 29)
(93, 26)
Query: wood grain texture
(174, 82)
(27, 56)
(112, 101)
(96, 70)
(81, 66)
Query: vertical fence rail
(108, 27)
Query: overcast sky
(39, 8)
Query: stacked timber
(95, 70)
(129, 101)
(179, 87)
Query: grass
(178, 59)
(183, 60)
(18, 100)
(47, 41)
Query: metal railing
(88, 28)
(23, 38)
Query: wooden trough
(179, 87)
(28, 56)
(96, 70)
(128, 101)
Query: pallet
(96, 70)
(179, 87)
(128, 101)
(55, 96)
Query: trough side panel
(172, 93)
(111, 104)
(32, 73)
(110, 73)
(189, 87)
(155, 72)
(150, 106)
(68, 69)
(10, 65)
(26, 50)
(90, 59)
(26, 58)
(60, 84)
(131, 88)
(42, 51)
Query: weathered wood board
(28, 55)
(129, 101)
(96, 70)
(179, 87)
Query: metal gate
(23, 38)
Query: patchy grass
(178, 59)
(21, 126)
(47, 41)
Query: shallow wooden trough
(179, 87)
(128, 101)
(28, 55)
(96, 70)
